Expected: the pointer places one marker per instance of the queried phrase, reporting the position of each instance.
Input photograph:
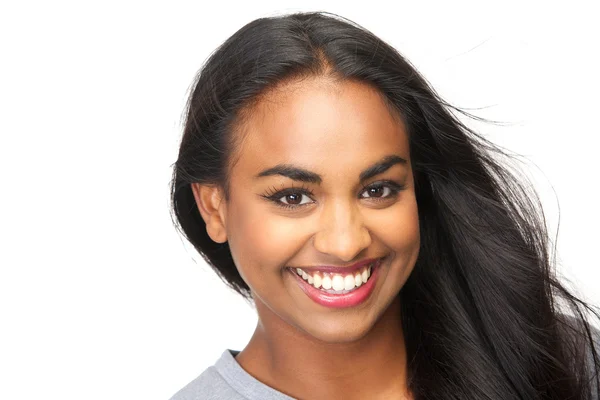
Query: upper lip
(337, 269)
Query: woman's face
(335, 131)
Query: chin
(338, 331)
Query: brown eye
(379, 191)
(293, 198)
(290, 198)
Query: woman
(388, 251)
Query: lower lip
(354, 298)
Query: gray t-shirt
(226, 379)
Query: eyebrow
(304, 175)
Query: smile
(338, 290)
(337, 283)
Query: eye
(294, 198)
(382, 190)
(289, 198)
(379, 191)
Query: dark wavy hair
(481, 311)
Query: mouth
(339, 289)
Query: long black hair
(480, 311)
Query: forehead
(331, 128)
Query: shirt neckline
(242, 382)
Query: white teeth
(333, 283)
(337, 283)
(358, 279)
(349, 282)
(317, 280)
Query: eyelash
(275, 195)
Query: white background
(99, 296)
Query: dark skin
(337, 130)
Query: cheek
(262, 242)
(399, 227)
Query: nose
(342, 232)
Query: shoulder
(226, 379)
(210, 385)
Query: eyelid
(275, 193)
(395, 186)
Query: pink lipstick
(338, 296)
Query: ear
(211, 204)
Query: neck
(294, 363)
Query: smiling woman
(389, 255)
(337, 141)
